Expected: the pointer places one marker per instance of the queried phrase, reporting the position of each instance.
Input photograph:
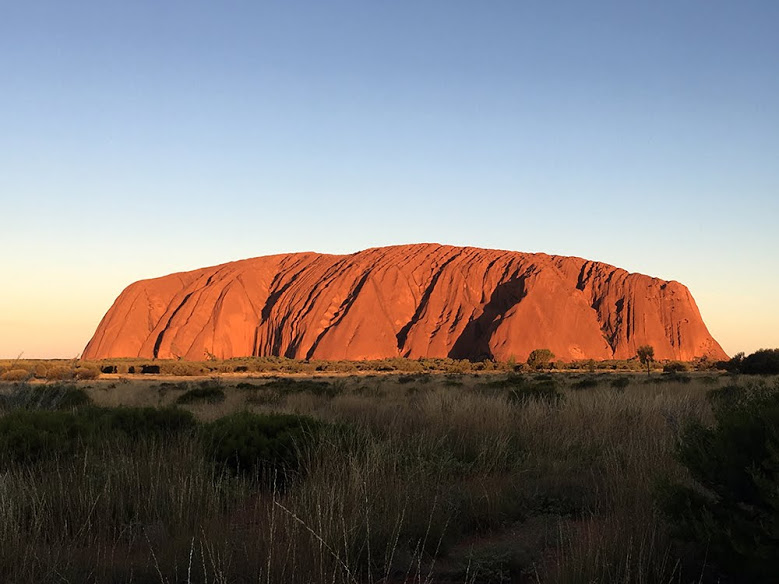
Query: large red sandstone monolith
(414, 301)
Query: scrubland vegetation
(64, 370)
(412, 474)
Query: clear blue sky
(138, 138)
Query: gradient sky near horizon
(140, 138)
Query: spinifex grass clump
(15, 375)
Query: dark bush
(246, 385)
(586, 383)
(45, 397)
(677, 377)
(727, 395)
(545, 391)
(139, 422)
(211, 395)
(733, 365)
(287, 386)
(732, 512)
(675, 367)
(620, 382)
(672, 377)
(540, 359)
(520, 389)
(762, 362)
(26, 436)
(510, 380)
(264, 445)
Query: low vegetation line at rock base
(764, 361)
(486, 477)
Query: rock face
(414, 301)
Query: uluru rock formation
(424, 300)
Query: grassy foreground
(411, 478)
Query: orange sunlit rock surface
(424, 300)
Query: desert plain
(277, 470)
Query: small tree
(540, 359)
(646, 354)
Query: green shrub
(732, 511)
(540, 359)
(27, 436)
(258, 444)
(139, 422)
(211, 395)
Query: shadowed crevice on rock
(474, 342)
